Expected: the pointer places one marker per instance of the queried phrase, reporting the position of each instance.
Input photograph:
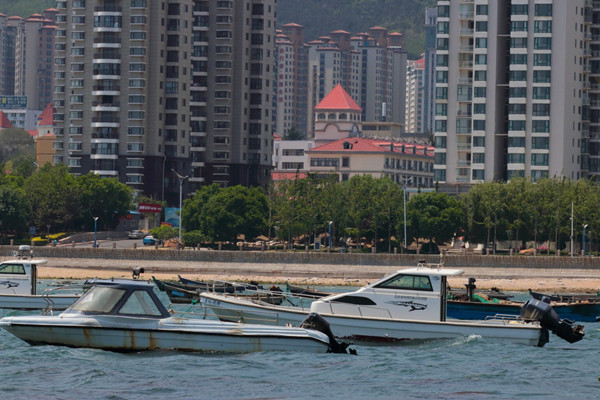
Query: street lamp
(95, 231)
(181, 179)
(583, 247)
(404, 198)
(163, 178)
(330, 222)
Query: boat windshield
(140, 303)
(407, 282)
(99, 299)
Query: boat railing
(203, 311)
(506, 318)
(68, 289)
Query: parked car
(150, 240)
(136, 235)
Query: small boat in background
(566, 298)
(189, 293)
(126, 316)
(301, 291)
(18, 285)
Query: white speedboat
(410, 304)
(127, 315)
(18, 285)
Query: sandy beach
(552, 284)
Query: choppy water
(466, 368)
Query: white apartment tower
(415, 95)
(512, 98)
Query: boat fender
(316, 322)
(539, 310)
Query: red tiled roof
(293, 24)
(4, 121)
(276, 137)
(365, 145)
(281, 176)
(32, 132)
(338, 99)
(341, 31)
(46, 118)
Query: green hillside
(24, 8)
(319, 17)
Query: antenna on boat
(23, 253)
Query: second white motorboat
(410, 304)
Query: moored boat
(18, 285)
(409, 304)
(125, 316)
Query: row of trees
(362, 209)
(51, 196)
(366, 209)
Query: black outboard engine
(540, 310)
(316, 322)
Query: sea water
(463, 368)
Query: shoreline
(550, 284)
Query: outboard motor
(316, 322)
(540, 310)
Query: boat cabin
(415, 293)
(121, 297)
(19, 276)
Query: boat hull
(374, 329)
(171, 334)
(581, 312)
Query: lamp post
(583, 244)
(181, 179)
(95, 231)
(404, 201)
(330, 222)
(572, 253)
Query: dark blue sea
(465, 368)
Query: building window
(542, 26)
(543, 60)
(539, 159)
(518, 43)
(543, 10)
(516, 142)
(542, 126)
(518, 26)
(516, 158)
(542, 143)
(541, 92)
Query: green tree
(293, 134)
(54, 198)
(105, 198)
(233, 211)
(14, 143)
(14, 211)
(165, 232)
(435, 216)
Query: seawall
(309, 264)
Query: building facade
(415, 95)
(144, 90)
(514, 83)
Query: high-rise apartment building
(371, 66)
(415, 95)
(291, 79)
(515, 83)
(429, 73)
(144, 88)
(34, 59)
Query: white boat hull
(135, 334)
(371, 328)
(37, 302)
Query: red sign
(149, 208)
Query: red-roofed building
(399, 161)
(337, 116)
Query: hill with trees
(319, 17)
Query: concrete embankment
(574, 273)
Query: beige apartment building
(144, 88)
